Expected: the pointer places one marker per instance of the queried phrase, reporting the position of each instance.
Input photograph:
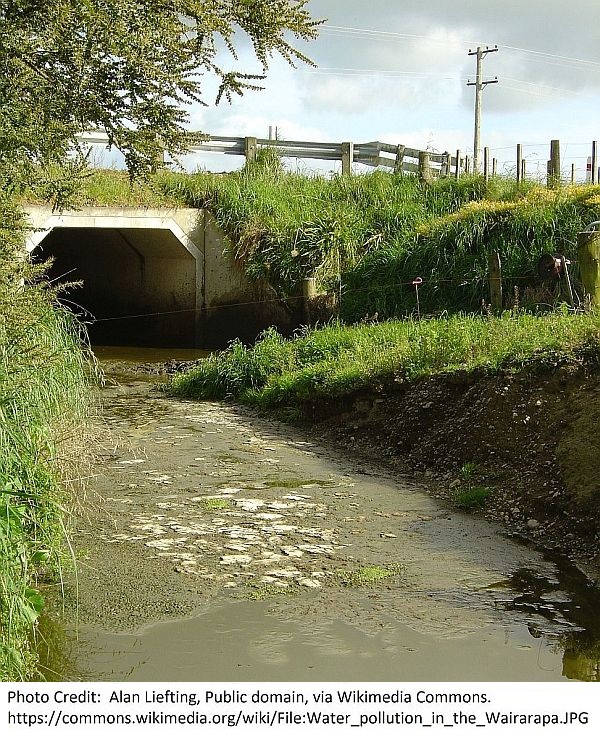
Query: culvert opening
(138, 285)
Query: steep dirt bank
(531, 437)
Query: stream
(217, 545)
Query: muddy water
(227, 547)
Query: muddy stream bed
(229, 547)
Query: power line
(395, 34)
(375, 71)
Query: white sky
(407, 83)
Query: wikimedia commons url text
(274, 708)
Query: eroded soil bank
(230, 547)
(531, 438)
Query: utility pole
(479, 84)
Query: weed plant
(43, 395)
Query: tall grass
(376, 231)
(44, 394)
(379, 231)
(450, 251)
(287, 226)
(337, 360)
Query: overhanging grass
(335, 360)
(43, 398)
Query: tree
(129, 67)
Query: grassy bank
(43, 397)
(334, 361)
(377, 231)
(380, 231)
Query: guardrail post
(399, 159)
(347, 157)
(250, 149)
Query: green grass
(43, 397)
(336, 360)
(469, 498)
(376, 231)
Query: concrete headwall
(150, 278)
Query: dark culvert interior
(138, 285)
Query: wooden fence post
(309, 292)
(347, 157)
(519, 162)
(495, 281)
(572, 174)
(588, 255)
(399, 159)
(424, 168)
(457, 165)
(467, 165)
(594, 161)
(523, 166)
(486, 163)
(250, 149)
(554, 165)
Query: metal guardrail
(375, 154)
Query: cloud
(442, 33)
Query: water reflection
(567, 607)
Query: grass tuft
(472, 497)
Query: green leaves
(131, 68)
